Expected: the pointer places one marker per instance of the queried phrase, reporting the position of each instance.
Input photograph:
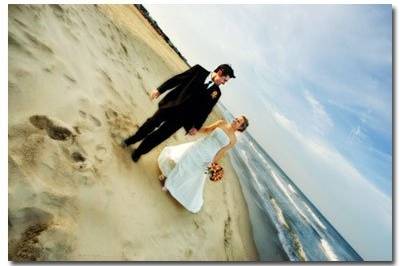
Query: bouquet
(215, 172)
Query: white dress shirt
(208, 79)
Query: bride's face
(237, 122)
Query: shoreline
(269, 249)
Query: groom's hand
(154, 94)
(192, 131)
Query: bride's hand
(214, 166)
(192, 131)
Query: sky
(315, 82)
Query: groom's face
(219, 79)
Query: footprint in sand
(199, 225)
(94, 120)
(124, 48)
(37, 43)
(121, 125)
(188, 253)
(25, 226)
(228, 238)
(53, 129)
(87, 180)
(82, 114)
(70, 78)
(77, 157)
(26, 248)
(101, 153)
(29, 216)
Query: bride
(184, 166)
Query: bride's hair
(244, 125)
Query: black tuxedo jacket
(189, 100)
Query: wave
(303, 232)
(286, 234)
(315, 217)
(291, 189)
(252, 173)
(328, 250)
(279, 213)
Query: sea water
(304, 233)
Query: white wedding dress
(185, 167)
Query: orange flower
(215, 171)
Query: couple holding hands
(191, 98)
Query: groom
(192, 96)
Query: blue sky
(316, 84)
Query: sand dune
(79, 80)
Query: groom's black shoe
(123, 144)
(131, 140)
(135, 156)
(128, 142)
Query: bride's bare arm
(211, 127)
(221, 153)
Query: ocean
(304, 233)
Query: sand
(79, 82)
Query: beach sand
(79, 82)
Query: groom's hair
(226, 70)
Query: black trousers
(155, 130)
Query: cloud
(322, 121)
(315, 80)
(356, 135)
(287, 124)
(339, 190)
(322, 151)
